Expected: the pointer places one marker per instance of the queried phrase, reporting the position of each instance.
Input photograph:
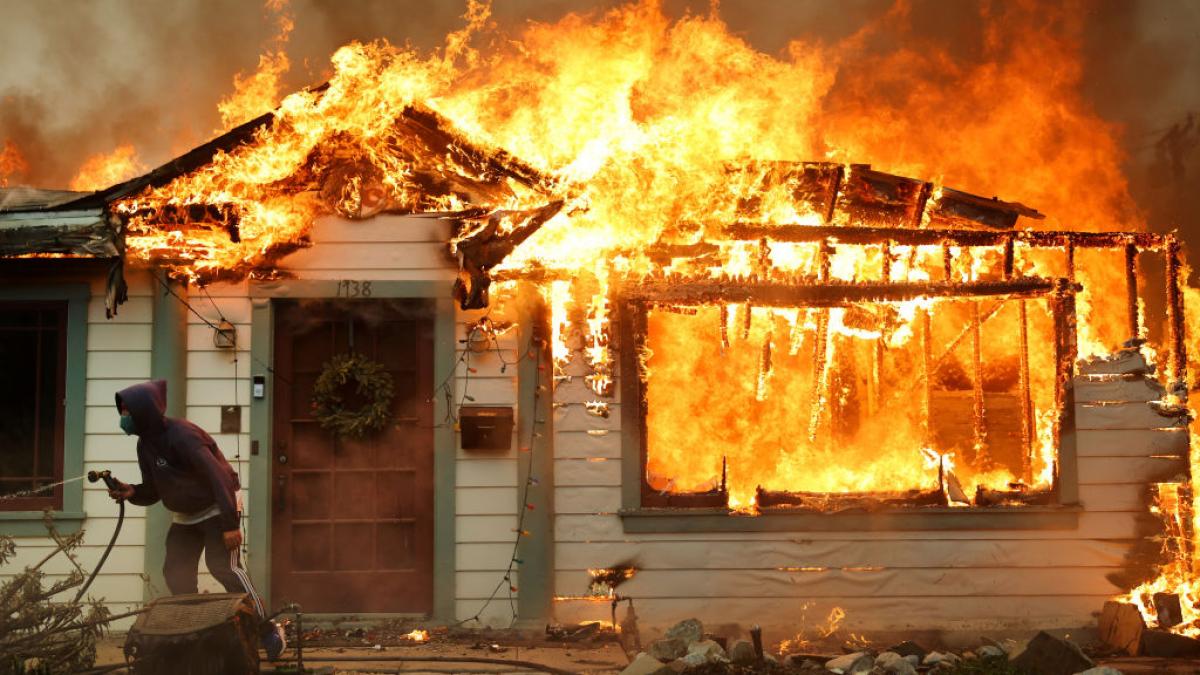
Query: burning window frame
(634, 299)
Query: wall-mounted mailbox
(486, 427)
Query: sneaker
(273, 640)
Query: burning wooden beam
(677, 291)
(1175, 315)
(799, 233)
(960, 209)
(1131, 291)
(883, 199)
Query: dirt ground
(593, 659)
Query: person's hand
(123, 491)
(233, 539)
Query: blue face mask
(127, 425)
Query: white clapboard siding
(785, 617)
(929, 579)
(794, 554)
(485, 529)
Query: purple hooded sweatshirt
(181, 464)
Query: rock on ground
(992, 652)
(688, 630)
(644, 664)
(909, 648)
(893, 663)
(710, 650)
(1101, 670)
(849, 664)
(742, 652)
(937, 658)
(667, 649)
(1049, 655)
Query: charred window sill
(651, 520)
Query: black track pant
(184, 544)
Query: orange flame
(12, 162)
(105, 169)
(260, 91)
(417, 635)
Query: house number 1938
(354, 289)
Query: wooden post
(977, 380)
(1070, 250)
(947, 262)
(885, 250)
(1009, 257)
(820, 373)
(1065, 352)
(1131, 289)
(876, 397)
(927, 362)
(1175, 315)
(1028, 423)
(823, 264)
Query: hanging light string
(533, 350)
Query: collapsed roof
(496, 201)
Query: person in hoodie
(184, 469)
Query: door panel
(352, 523)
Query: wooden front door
(352, 520)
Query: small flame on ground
(417, 635)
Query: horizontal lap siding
(953, 579)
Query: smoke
(81, 79)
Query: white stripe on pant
(235, 563)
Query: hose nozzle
(106, 476)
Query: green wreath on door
(368, 380)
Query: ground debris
(1121, 627)
(1050, 655)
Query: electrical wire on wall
(236, 398)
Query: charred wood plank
(800, 233)
(829, 294)
(882, 199)
(486, 246)
(837, 501)
(955, 208)
(1121, 627)
(1175, 313)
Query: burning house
(797, 386)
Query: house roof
(24, 198)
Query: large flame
(261, 90)
(656, 130)
(105, 169)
